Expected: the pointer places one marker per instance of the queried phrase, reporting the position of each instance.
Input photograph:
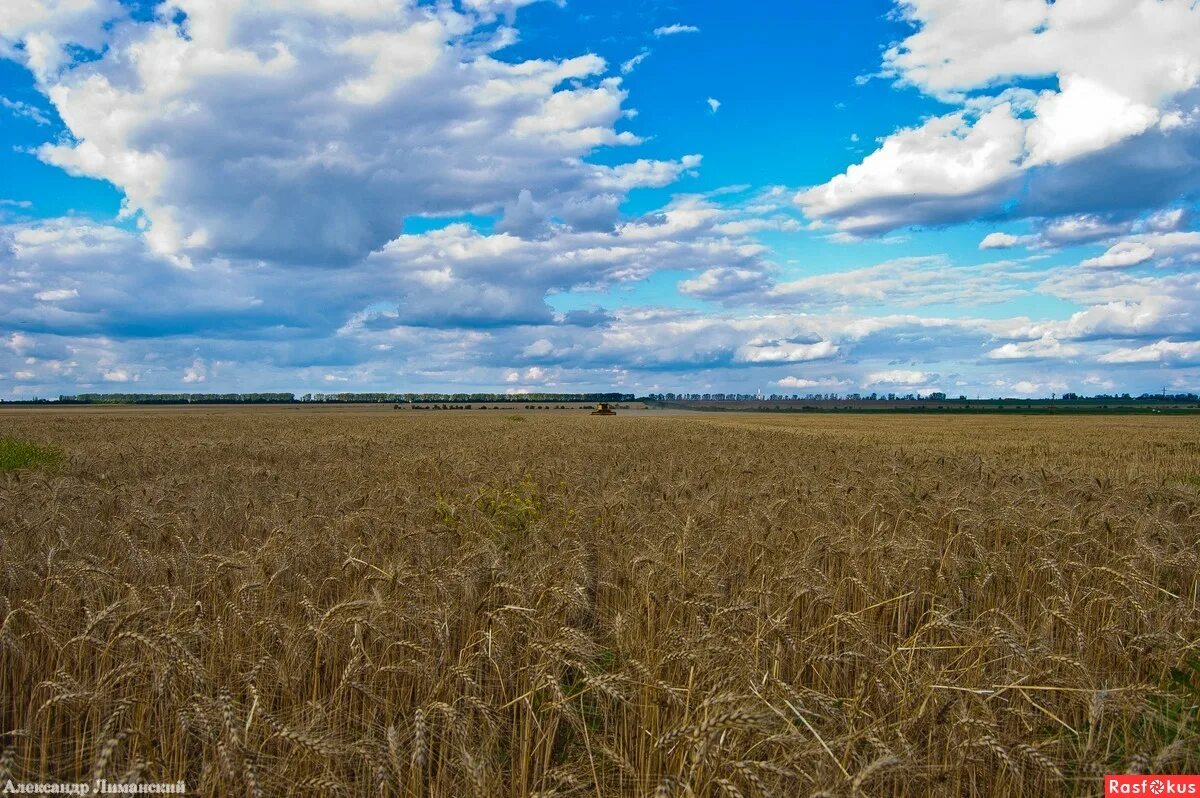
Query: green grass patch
(17, 454)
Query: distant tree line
(795, 397)
(504, 398)
(327, 398)
(177, 398)
(1124, 397)
(462, 398)
(934, 396)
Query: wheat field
(293, 602)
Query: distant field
(295, 600)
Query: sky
(980, 197)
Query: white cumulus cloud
(56, 294)
(1116, 133)
(675, 29)
(1001, 241)
(1124, 254)
(308, 132)
(195, 373)
(804, 382)
(899, 377)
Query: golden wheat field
(293, 602)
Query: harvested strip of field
(282, 602)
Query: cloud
(1119, 305)
(195, 373)
(458, 275)
(945, 170)
(725, 283)
(74, 278)
(24, 110)
(1002, 241)
(785, 351)
(40, 33)
(1045, 348)
(1076, 229)
(675, 30)
(1167, 220)
(1117, 134)
(299, 336)
(1172, 244)
(304, 134)
(116, 375)
(1083, 117)
(961, 46)
(632, 64)
(658, 341)
(899, 377)
(714, 105)
(1070, 230)
(536, 374)
(803, 382)
(1158, 352)
(56, 294)
(1122, 255)
(420, 298)
(1034, 388)
(909, 281)
(1167, 248)
(103, 280)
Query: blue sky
(975, 197)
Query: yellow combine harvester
(603, 409)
